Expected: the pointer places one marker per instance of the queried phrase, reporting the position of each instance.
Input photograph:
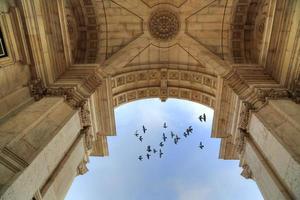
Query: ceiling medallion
(164, 25)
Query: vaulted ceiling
(118, 34)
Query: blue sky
(184, 173)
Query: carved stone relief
(164, 24)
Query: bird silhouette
(161, 144)
(201, 146)
(144, 129)
(164, 137)
(165, 125)
(140, 158)
(160, 153)
(202, 118)
(172, 134)
(141, 138)
(185, 134)
(149, 148)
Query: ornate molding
(37, 89)
(72, 97)
(88, 137)
(85, 116)
(245, 115)
(164, 24)
(82, 168)
(264, 94)
(240, 141)
(247, 173)
(295, 91)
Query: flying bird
(202, 118)
(201, 145)
(136, 133)
(185, 134)
(141, 138)
(172, 134)
(165, 125)
(160, 153)
(189, 130)
(140, 158)
(149, 148)
(175, 141)
(161, 144)
(154, 150)
(164, 137)
(144, 129)
(148, 156)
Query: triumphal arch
(66, 64)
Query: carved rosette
(164, 25)
(82, 168)
(247, 173)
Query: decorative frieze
(264, 94)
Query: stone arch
(196, 86)
(248, 30)
(83, 30)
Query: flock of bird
(173, 136)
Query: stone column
(70, 166)
(33, 142)
(275, 131)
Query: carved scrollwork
(264, 94)
(82, 168)
(246, 173)
(37, 89)
(295, 91)
(240, 141)
(85, 117)
(245, 115)
(88, 137)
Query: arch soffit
(163, 83)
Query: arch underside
(164, 83)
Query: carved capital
(265, 94)
(37, 89)
(295, 91)
(246, 173)
(82, 168)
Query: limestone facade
(69, 63)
